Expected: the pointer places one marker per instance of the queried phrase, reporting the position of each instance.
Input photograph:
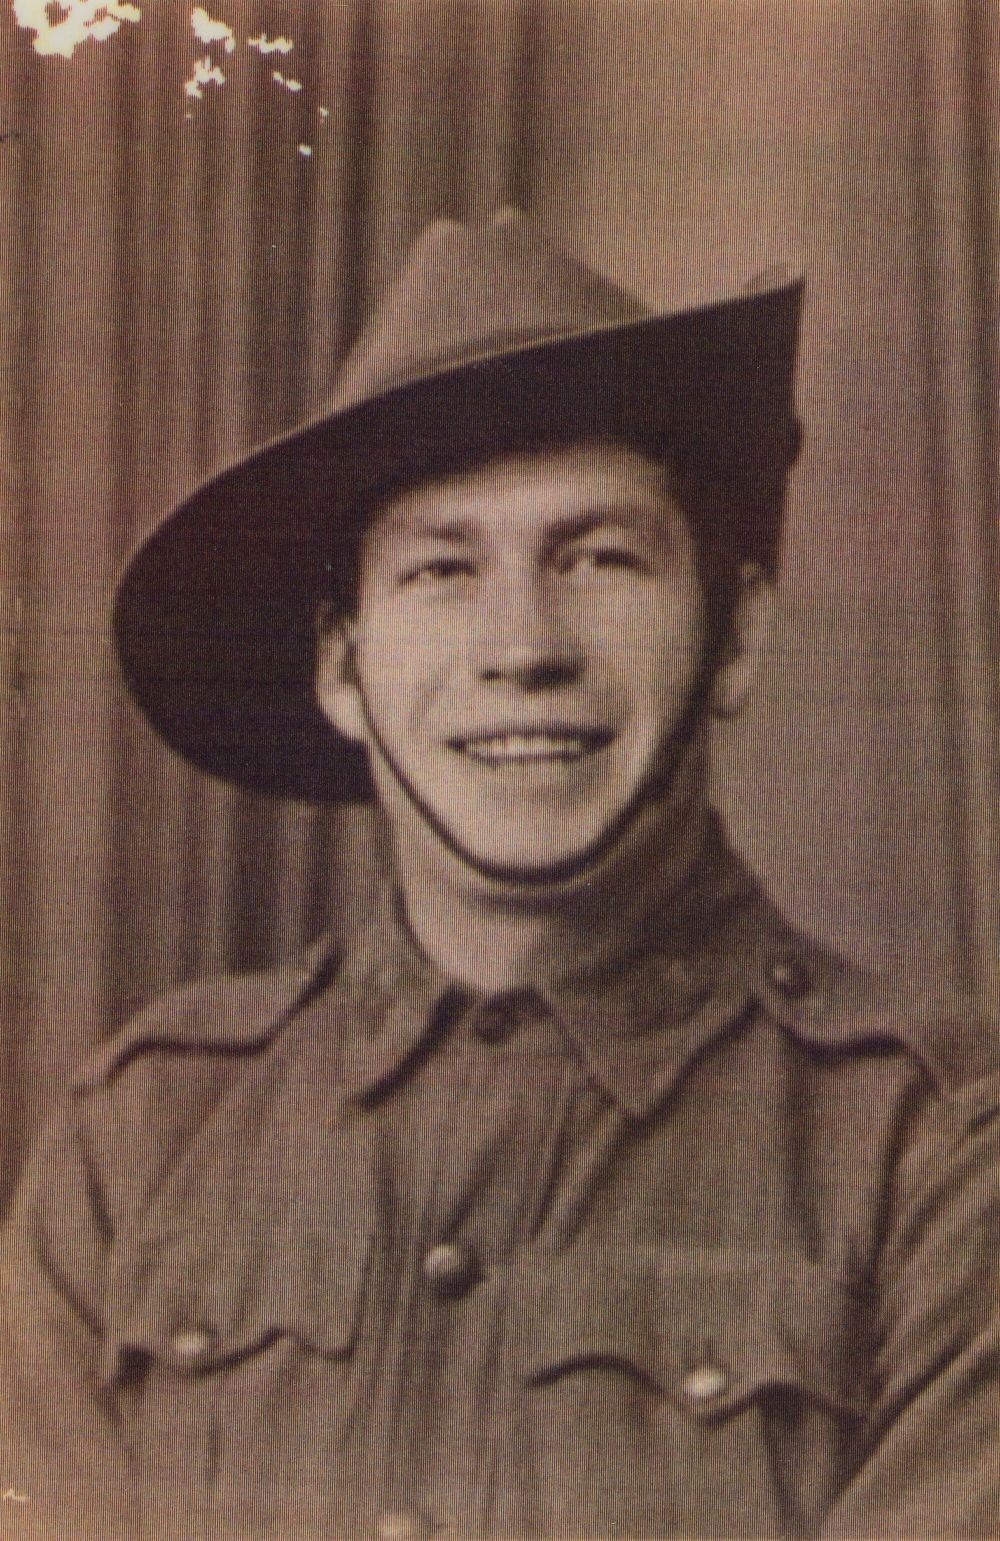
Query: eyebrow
(432, 529)
(576, 525)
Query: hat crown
(476, 291)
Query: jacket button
(493, 1022)
(450, 1268)
(704, 1383)
(500, 1017)
(790, 976)
(191, 1345)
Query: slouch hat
(489, 341)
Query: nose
(524, 638)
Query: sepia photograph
(499, 770)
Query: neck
(491, 935)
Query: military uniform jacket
(708, 1247)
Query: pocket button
(704, 1383)
(192, 1345)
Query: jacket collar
(639, 1029)
(394, 994)
(637, 1024)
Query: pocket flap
(243, 1249)
(707, 1328)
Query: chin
(537, 862)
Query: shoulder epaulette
(229, 1012)
(826, 1001)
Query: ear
(336, 674)
(752, 622)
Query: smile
(528, 747)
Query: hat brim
(215, 615)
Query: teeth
(528, 746)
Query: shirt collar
(637, 1025)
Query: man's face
(527, 637)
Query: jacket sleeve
(65, 1458)
(932, 1463)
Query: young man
(572, 1194)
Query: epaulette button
(790, 977)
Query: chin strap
(652, 791)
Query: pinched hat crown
(470, 293)
(489, 341)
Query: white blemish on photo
(208, 30)
(270, 45)
(204, 73)
(60, 27)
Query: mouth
(533, 747)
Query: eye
(601, 557)
(436, 570)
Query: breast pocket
(229, 1353)
(694, 1391)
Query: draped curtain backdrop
(181, 273)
